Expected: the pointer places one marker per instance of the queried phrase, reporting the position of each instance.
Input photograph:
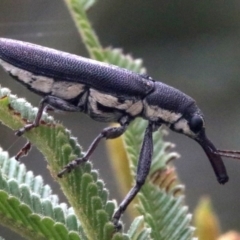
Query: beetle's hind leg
(55, 102)
(108, 133)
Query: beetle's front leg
(143, 168)
(55, 102)
(108, 133)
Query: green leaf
(116, 57)
(32, 210)
(87, 4)
(83, 188)
(136, 230)
(163, 210)
(77, 9)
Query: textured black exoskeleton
(109, 94)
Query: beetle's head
(192, 125)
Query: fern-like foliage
(30, 206)
(116, 57)
(161, 199)
(86, 193)
(84, 190)
(78, 9)
(164, 215)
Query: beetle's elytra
(110, 94)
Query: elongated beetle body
(109, 94)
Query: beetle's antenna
(228, 153)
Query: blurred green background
(191, 45)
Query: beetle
(108, 93)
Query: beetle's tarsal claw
(62, 172)
(24, 129)
(118, 226)
(24, 151)
(20, 132)
(115, 219)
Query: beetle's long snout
(214, 158)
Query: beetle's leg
(108, 133)
(24, 151)
(143, 168)
(55, 102)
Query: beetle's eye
(196, 123)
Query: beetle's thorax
(165, 104)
